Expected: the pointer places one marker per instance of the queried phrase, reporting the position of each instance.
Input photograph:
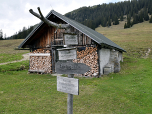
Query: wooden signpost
(66, 66)
(67, 53)
(68, 85)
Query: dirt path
(25, 57)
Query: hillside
(136, 40)
(112, 13)
(8, 52)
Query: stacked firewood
(89, 57)
(85, 52)
(41, 51)
(40, 63)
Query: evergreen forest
(137, 11)
(21, 34)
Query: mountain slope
(106, 14)
(136, 40)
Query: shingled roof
(97, 37)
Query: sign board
(67, 53)
(68, 85)
(70, 39)
(68, 67)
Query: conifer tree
(125, 26)
(108, 23)
(1, 35)
(104, 22)
(128, 21)
(141, 16)
(135, 19)
(128, 24)
(150, 21)
(116, 21)
(146, 16)
(121, 17)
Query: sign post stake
(70, 99)
(70, 104)
(66, 66)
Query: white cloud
(14, 14)
(27, 7)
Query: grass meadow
(126, 92)
(136, 40)
(8, 52)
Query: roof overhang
(97, 37)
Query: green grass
(8, 52)
(127, 92)
(15, 66)
(135, 40)
(10, 57)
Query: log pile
(89, 57)
(41, 51)
(40, 61)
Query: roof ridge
(79, 25)
(99, 38)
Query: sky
(14, 14)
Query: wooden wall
(44, 40)
(48, 35)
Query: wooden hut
(95, 50)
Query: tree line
(138, 18)
(21, 34)
(112, 13)
(1, 35)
